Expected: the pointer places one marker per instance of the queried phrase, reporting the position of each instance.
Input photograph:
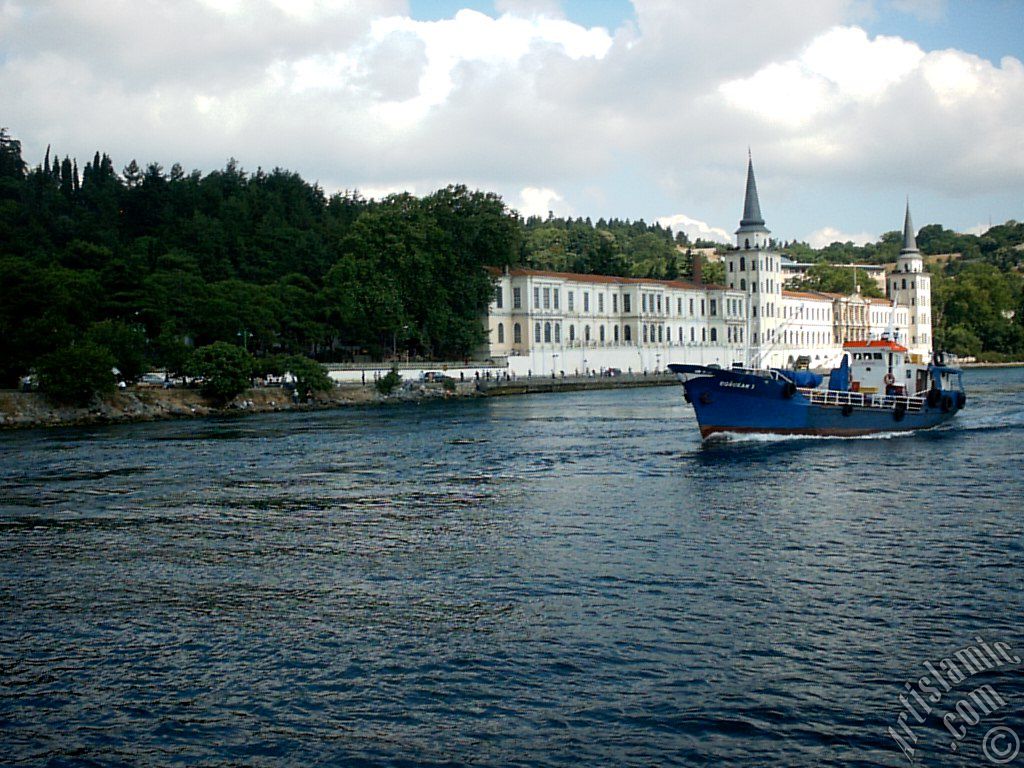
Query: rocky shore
(33, 409)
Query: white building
(544, 322)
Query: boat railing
(836, 397)
(765, 373)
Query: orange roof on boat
(892, 346)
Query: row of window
(768, 286)
(549, 332)
(902, 284)
(768, 263)
(548, 298)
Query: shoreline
(32, 410)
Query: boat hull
(728, 401)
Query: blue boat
(873, 389)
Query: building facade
(545, 323)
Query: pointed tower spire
(752, 232)
(751, 205)
(909, 241)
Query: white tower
(910, 287)
(757, 271)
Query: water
(549, 580)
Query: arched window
(586, 333)
(517, 334)
(501, 333)
(743, 285)
(547, 333)
(601, 333)
(615, 333)
(680, 334)
(661, 333)
(536, 333)
(714, 334)
(693, 336)
(572, 333)
(645, 333)
(627, 333)
(558, 333)
(904, 283)
(746, 244)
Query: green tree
(224, 368)
(714, 273)
(126, 343)
(829, 278)
(960, 341)
(386, 384)
(309, 375)
(77, 373)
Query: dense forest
(164, 262)
(147, 265)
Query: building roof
(813, 295)
(875, 344)
(606, 279)
(752, 220)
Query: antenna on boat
(890, 332)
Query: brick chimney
(698, 268)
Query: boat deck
(831, 397)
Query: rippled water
(549, 580)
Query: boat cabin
(879, 366)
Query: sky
(593, 108)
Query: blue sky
(989, 28)
(600, 108)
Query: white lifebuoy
(889, 379)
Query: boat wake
(720, 438)
(988, 422)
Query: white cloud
(694, 228)
(977, 229)
(828, 235)
(538, 202)
(655, 117)
(841, 65)
(475, 37)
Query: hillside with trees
(149, 265)
(142, 267)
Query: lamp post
(244, 334)
(584, 365)
(554, 364)
(657, 362)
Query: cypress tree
(66, 184)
